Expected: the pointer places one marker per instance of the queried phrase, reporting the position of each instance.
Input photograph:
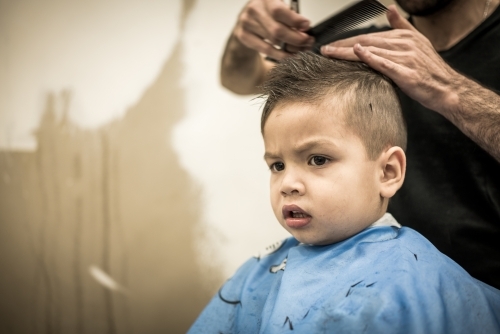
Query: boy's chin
(316, 241)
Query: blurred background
(132, 185)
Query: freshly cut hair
(368, 99)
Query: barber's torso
(452, 189)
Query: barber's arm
(409, 59)
(261, 25)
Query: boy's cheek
(274, 186)
(276, 205)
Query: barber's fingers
(253, 27)
(396, 56)
(376, 62)
(421, 73)
(397, 21)
(279, 31)
(247, 28)
(282, 13)
(343, 49)
(346, 53)
(399, 73)
(393, 39)
(258, 44)
(281, 24)
(376, 44)
(253, 35)
(265, 22)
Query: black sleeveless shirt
(451, 194)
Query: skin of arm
(409, 59)
(243, 70)
(261, 25)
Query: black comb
(347, 19)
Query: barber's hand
(264, 23)
(407, 57)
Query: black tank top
(452, 189)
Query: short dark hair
(372, 107)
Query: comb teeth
(347, 19)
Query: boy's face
(323, 187)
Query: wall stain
(115, 197)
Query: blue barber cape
(383, 280)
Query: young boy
(334, 139)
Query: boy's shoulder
(383, 278)
(378, 251)
(384, 259)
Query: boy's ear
(393, 169)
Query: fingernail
(392, 10)
(358, 47)
(304, 25)
(326, 49)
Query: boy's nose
(292, 184)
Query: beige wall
(131, 184)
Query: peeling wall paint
(77, 202)
(111, 200)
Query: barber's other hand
(407, 57)
(264, 23)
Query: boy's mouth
(295, 217)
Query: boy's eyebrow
(270, 156)
(304, 147)
(309, 144)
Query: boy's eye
(318, 160)
(277, 166)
